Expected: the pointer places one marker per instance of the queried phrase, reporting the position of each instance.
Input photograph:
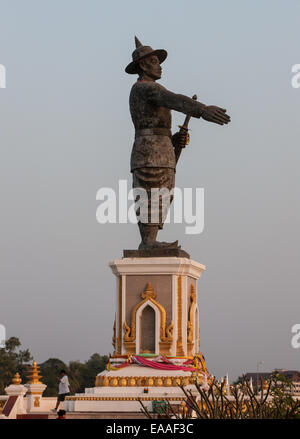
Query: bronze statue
(155, 150)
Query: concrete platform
(101, 415)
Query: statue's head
(146, 61)
(150, 66)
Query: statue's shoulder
(146, 88)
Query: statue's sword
(184, 130)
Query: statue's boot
(159, 244)
(148, 234)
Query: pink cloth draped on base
(162, 366)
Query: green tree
(50, 372)
(84, 374)
(95, 365)
(78, 372)
(81, 375)
(12, 360)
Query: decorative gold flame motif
(36, 401)
(191, 323)
(119, 339)
(149, 292)
(114, 339)
(179, 347)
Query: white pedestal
(34, 395)
(157, 314)
(172, 297)
(20, 391)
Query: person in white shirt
(63, 388)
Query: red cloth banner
(161, 366)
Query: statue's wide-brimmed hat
(142, 52)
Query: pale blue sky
(66, 131)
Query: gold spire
(16, 379)
(34, 374)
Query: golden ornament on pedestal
(158, 382)
(168, 381)
(34, 374)
(150, 381)
(113, 382)
(123, 382)
(105, 382)
(16, 379)
(131, 382)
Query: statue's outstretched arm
(165, 98)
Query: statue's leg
(148, 230)
(149, 179)
(168, 183)
(148, 233)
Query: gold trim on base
(191, 322)
(179, 345)
(119, 338)
(150, 381)
(123, 398)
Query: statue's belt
(153, 131)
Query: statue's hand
(216, 115)
(179, 139)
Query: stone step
(101, 415)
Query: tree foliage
(12, 360)
(81, 375)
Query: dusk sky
(66, 131)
